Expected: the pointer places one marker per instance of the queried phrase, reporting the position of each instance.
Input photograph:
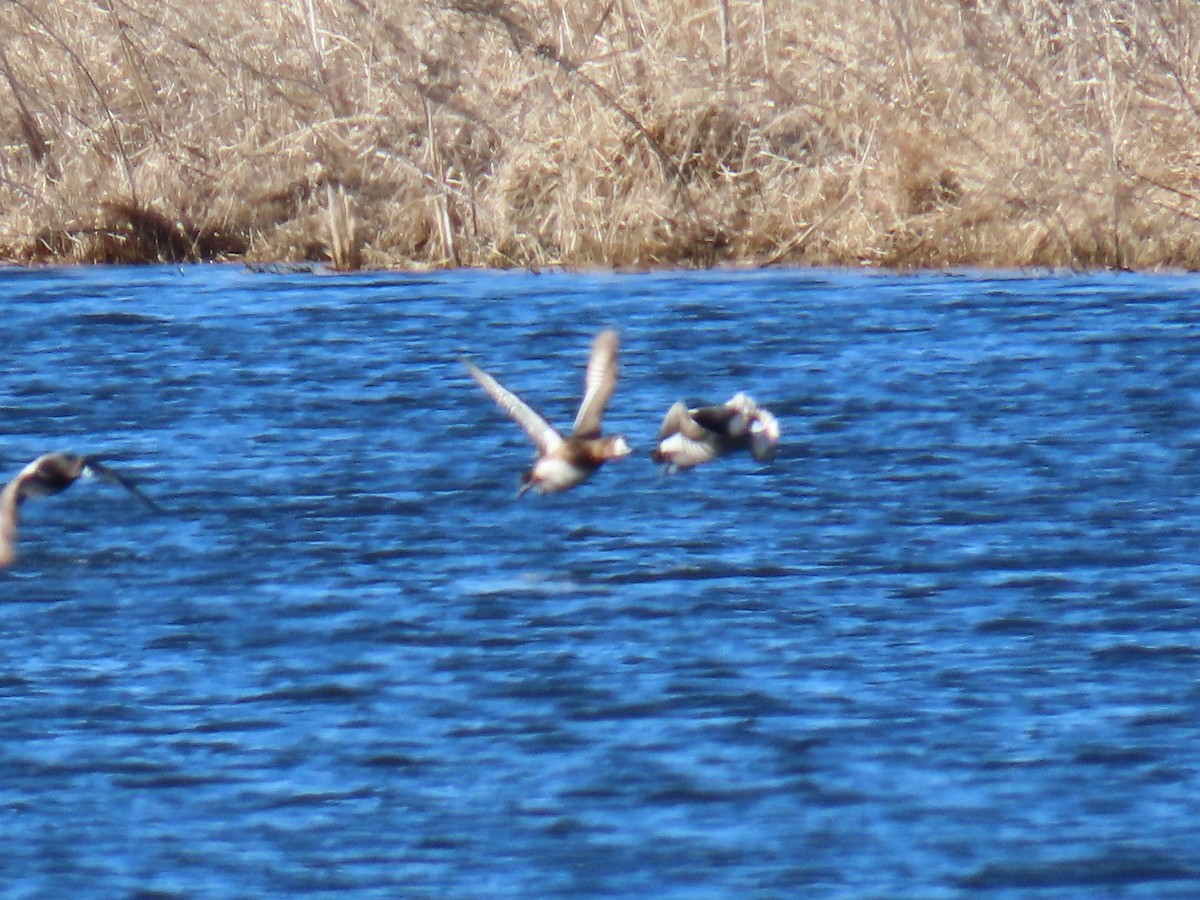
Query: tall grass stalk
(602, 132)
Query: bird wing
(716, 419)
(538, 429)
(678, 420)
(683, 452)
(598, 384)
(764, 436)
(105, 473)
(8, 524)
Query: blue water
(947, 644)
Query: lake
(946, 644)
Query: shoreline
(489, 134)
(325, 270)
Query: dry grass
(602, 132)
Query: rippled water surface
(947, 643)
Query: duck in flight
(689, 437)
(49, 474)
(564, 462)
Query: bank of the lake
(488, 133)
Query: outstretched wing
(105, 473)
(678, 420)
(717, 419)
(598, 384)
(8, 524)
(538, 429)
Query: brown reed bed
(905, 133)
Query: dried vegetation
(602, 132)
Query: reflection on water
(946, 641)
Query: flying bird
(49, 474)
(689, 437)
(564, 462)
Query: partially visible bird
(49, 474)
(689, 437)
(564, 462)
